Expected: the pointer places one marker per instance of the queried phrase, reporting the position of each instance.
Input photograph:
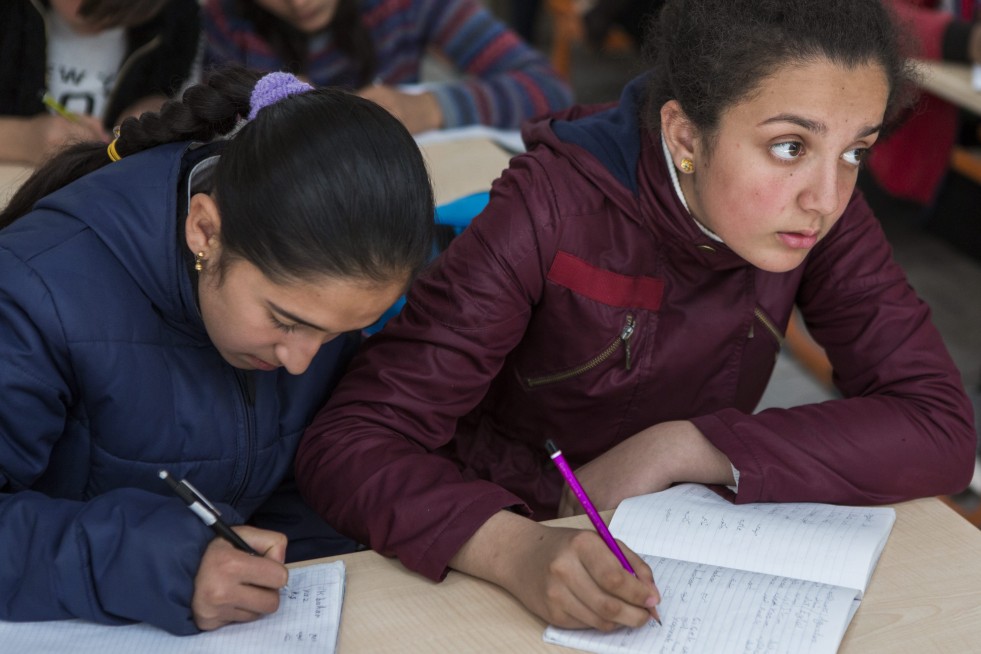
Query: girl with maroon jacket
(625, 293)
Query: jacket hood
(603, 142)
(122, 203)
(611, 148)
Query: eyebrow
(815, 126)
(295, 318)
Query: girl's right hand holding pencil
(567, 577)
(233, 586)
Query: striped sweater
(503, 81)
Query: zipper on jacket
(622, 339)
(246, 385)
(766, 322)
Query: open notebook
(308, 619)
(748, 578)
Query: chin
(779, 264)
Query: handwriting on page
(307, 621)
(808, 541)
(711, 609)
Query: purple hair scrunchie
(272, 88)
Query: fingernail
(652, 601)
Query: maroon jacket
(584, 304)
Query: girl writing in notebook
(377, 48)
(625, 294)
(185, 300)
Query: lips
(804, 240)
(260, 364)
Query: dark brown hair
(291, 45)
(119, 13)
(709, 55)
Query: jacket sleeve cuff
(744, 464)
(454, 103)
(434, 560)
(158, 550)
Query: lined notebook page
(307, 621)
(837, 545)
(718, 610)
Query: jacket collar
(609, 145)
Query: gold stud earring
(687, 165)
(199, 261)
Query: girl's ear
(202, 228)
(679, 133)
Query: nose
(298, 352)
(823, 192)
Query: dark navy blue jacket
(106, 376)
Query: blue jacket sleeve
(121, 556)
(125, 556)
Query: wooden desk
(950, 81)
(925, 596)
(461, 167)
(11, 177)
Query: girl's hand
(647, 462)
(419, 112)
(567, 577)
(232, 586)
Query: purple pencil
(594, 516)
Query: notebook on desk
(747, 578)
(308, 620)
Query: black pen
(205, 510)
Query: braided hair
(320, 183)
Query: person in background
(94, 61)
(625, 294)
(185, 299)
(377, 46)
(911, 163)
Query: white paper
(308, 620)
(837, 545)
(721, 611)
(743, 578)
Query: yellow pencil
(59, 108)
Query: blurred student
(71, 70)
(625, 293)
(911, 163)
(187, 304)
(377, 46)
